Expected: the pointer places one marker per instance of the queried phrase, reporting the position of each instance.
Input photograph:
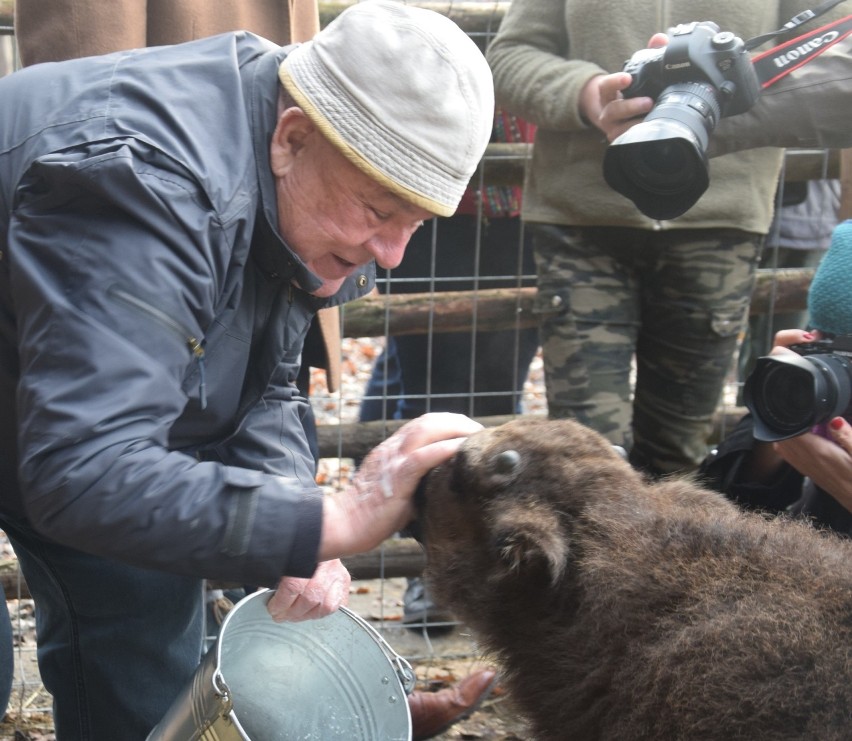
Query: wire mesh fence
(433, 344)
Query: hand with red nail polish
(827, 461)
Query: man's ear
(291, 132)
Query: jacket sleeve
(724, 471)
(116, 264)
(807, 108)
(532, 75)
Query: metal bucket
(316, 680)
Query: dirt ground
(438, 660)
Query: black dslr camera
(790, 394)
(702, 75)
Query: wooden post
(845, 211)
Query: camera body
(701, 76)
(697, 52)
(790, 394)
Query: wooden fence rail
(510, 308)
(504, 164)
(396, 557)
(472, 17)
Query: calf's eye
(507, 461)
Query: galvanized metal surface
(318, 680)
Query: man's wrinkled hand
(379, 500)
(298, 599)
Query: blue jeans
(116, 644)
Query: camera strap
(774, 64)
(799, 20)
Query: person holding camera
(793, 452)
(614, 282)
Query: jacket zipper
(196, 346)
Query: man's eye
(380, 215)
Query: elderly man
(170, 220)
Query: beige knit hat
(403, 93)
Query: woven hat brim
(371, 137)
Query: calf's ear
(531, 541)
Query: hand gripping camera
(790, 394)
(702, 75)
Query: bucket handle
(223, 693)
(401, 666)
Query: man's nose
(387, 249)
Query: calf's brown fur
(623, 609)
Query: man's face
(333, 216)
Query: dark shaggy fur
(622, 609)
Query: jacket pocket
(194, 345)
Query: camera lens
(661, 167)
(661, 163)
(790, 394)
(785, 398)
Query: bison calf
(623, 609)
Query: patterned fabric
(684, 331)
(499, 200)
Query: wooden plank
(472, 17)
(510, 308)
(845, 211)
(356, 439)
(504, 164)
(397, 557)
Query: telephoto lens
(701, 76)
(790, 394)
(661, 163)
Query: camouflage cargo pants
(676, 300)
